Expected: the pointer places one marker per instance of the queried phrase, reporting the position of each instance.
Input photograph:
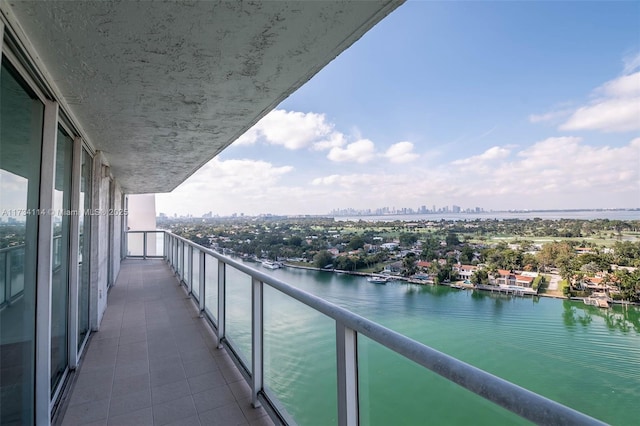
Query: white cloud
(627, 86)
(224, 185)
(631, 63)
(556, 172)
(401, 152)
(335, 139)
(493, 153)
(565, 166)
(550, 116)
(615, 109)
(559, 172)
(360, 151)
(293, 130)
(610, 115)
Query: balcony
(155, 361)
(163, 353)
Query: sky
(499, 105)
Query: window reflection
(84, 249)
(60, 258)
(21, 118)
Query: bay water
(581, 356)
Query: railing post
(256, 337)
(144, 245)
(221, 301)
(347, 367)
(7, 277)
(201, 281)
(190, 274)
(173, 254)
(169, 241)
(180, 261)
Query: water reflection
(622, 318)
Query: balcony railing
(11, 274)
(189, 261)
(12, 270)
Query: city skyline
(477, 212)
(456, 103)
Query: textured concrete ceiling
(163, 87)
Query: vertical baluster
(347, 366)
(144, 244)
(189, 276)
(201, 282)
(221, 302)
(7, 276)
(256, 337)
(180, 261)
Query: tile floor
(154, 361)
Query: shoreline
(460, 286)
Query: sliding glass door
(60, 261)
(84, 248)
(21, 121)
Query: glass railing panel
(195, 275)
(211, 287)
(238, 313)
(135, 243)
(174, 253)
(395, 390)
(3, 275)
(155, 244)
(180, 253)
(17, 271)
(187, 266)
(300, 359)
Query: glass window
(21, 119)
(60, 263)
(84, 249)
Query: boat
(598, 299)
(270, 265)
(378, 280)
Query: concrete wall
(117, 230)
(105, 236)
(142, 217)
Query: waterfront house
(421, 264)
(503, 277)
(393, 268)
(334, 251)
(465, 271)
(523, 280)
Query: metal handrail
(520, 401)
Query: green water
(581, 356)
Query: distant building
(389, 246)
(465, 271)
(393, 268)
